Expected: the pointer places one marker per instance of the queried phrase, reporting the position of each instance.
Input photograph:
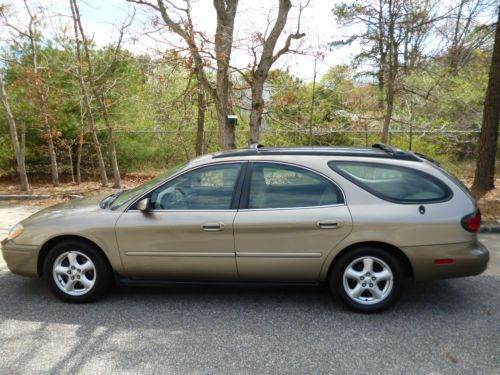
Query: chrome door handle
(329, 224)
(212, 227)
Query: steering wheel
(175, 199)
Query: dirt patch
(9, 185)
(489, 204)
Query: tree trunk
(200, 132)
(454, 51)
(23, 139)
(95, 138)
(484, 178)
(79, 161)
(71, 168)
(18, 150)
(43, 104)
(226, 13)
(80, 146)
(389, 108)
(111, 142)
(267, 58)
(86, 98)
(114, 159)
(391, 75)
(257, 110)
(383, 56)
(381, 84)
(313, 102)
(227, 132)
(50, 140)
(100, 100)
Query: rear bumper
(20, 259)
(468, 259)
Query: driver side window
(206, 188)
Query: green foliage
(153, 108)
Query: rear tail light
(472, 222)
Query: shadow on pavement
(150, 307)
(221, 330)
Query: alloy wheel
(74, 273)
(368, 280)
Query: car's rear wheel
(76, 272)
(367, 279)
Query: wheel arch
(394, 250)
(44, 250)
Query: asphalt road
(446, 327)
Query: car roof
(378, 150)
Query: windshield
(127, 195)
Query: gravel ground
(446, 327)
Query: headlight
(15, 231)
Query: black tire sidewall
(336, 278)
(103, 275)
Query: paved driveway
(446, 327)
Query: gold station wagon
(362, 221)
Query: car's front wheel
(367, 279)
(77, 272)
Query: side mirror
(144, 205)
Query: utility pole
(312, 104)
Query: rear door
(289, 220)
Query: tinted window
(207, 188)
(283, 186)
(393, 183)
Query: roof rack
(388, 148)
(378, 150)
(256, 146)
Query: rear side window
(285, 186)
(394, 183)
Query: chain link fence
(146, 150)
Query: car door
(290, 219)
(188, 232)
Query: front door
(291, 220)
(188, 233)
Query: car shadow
(149, 307)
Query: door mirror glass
(143, 204)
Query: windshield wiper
(105, 203)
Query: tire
(367, 279)
(77, 272)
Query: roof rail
(256, 146)
(377, 151)
(388, 148)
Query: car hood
(75, 207)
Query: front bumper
(20, 259)
(469, 258)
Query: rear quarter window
(394, 183)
